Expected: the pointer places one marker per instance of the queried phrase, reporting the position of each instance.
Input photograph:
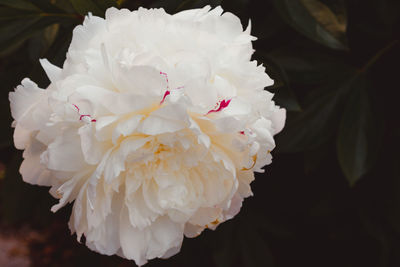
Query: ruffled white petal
(53, 72)
(31, 169)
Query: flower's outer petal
(78, 220)
(192, 14)
(105, 238)
(115, 164)
(125, 103)
(229, 26)
(25, 98)
(154, 241)
(201, 94)
(117, 17)
(52, 71)
(105, 127)
(229, 124)
(133, 240)
(140, 215)
(245, 178)
(141, 80)
(92, 149)
(85, 37)
(65, 153)
(165, 235)
(205, 216)
(192, 230)
(31, 169)
(278, 119)
(150, 194)
(22, 137)
(261, 129)
(126, 127)
(236, 204)
(167, 119)
(171, 252)
(69, 190)
(100, 98)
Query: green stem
(378, 55)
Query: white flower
(153, 128)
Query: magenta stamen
(168, 92)
(76, 107)
(81, 116)
(165, 95)
(222, 105)
(166, 78)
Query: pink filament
(222, 105)
(165, 95)
(166, 78)
(168, 92)
(76, 107)
(81, 116)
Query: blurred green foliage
(331, 196)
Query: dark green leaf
(65, 5)
(84, 7)
(19, 25)
(314, 125)
(40, 43)
(19, 4)
(47, 6)
(11, 37)
(314, 158)
(255, 251)
(104, 4)
(306, 19)
(7, 14)
(97, 8)
(58, 50)
(357, 142)
(284, 95)
(335, 23)
(22, 30)
(10, 14)
(305, 65)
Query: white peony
(153, 128)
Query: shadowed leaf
(358, 137)
(314, 125)
(335, 24)
(283, 93)
(19, 4)
(305, 65)
(18, 25)
(95, 7)
(306, 17)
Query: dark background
(331, 197)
